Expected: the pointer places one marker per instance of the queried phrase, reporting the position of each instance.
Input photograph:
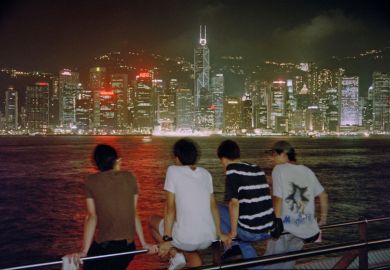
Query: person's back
(194, 227)
(298, 188)
(113, 193)
(248, 184)
(191, 219)
(294, 189)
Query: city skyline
(50, 35)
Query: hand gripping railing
(135, 252)
(359, 248)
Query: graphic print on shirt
(297, 199)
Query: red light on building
(106, 93)
(279, 82)
(42, 84)
(144, 75)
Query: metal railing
(135, 252)
(357, 248)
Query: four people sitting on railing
(192, 219)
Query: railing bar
(135, 252)
(299, 254)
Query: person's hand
(152, 248)
(163, 249)
(226, 240)
(76, 257)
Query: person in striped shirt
(249, 215)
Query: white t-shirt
(297, 186)
(194, 227)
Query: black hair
(228, 149)
(283, 146)
(186, 151)
(105, 157)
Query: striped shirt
(247, 183)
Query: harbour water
(42, 199)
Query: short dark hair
(228, 149)
(283, 146)
(105, 157)
(186, 151)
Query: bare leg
(193, 259)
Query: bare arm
(89, 226)
(170, 213)
(138, 228)
(233, 212)
(323, 208)
(215, 213)
(278, 206)
(169, 219)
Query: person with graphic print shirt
(249, 215)
(295, 188)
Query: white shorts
(183, 246)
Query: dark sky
(51, 34)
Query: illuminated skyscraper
(11, 108)
(143, 103)
(68, 90)
(232, 114)
(278, 103)
(246, 113)
(204, 114)
(119, 83)
(349, 102)
(381, 101)
(37, 107)
(184, 109)
(332, 110)
(108, 108)
(218, 86)
(97, 78)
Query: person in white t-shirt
(191, 221)
(295, 188)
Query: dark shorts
(114, 263)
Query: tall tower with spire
(203, 109)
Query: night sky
(48, 35)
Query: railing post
(363, 252)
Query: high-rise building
(97, 78)
(54, 103)
(144, 114)
(84, 109)
(108, 109)
(119, 83)
(37, 107)
(332, 110)
(11, 108)
(218, 86)
(258, 91)
(232, 114)
(381, 101)
(184, 109)
(349, 102)
(204, 114)
(68, 90)
(246, 113)
(278, 103)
